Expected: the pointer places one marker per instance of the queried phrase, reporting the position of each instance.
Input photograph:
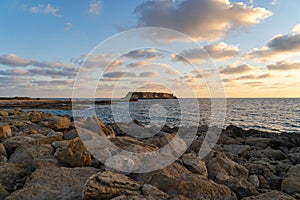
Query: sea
(264, 114)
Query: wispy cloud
(46, 9)
(236, 69)
(95, 7)
(284, 66)
(68, 26)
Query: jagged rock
(54, 183)
(225, 171)
(195, 164)
(5, 131)
(98, 126)
(3, 113)
(106, 185)
(267, 153)
(274, 195)
(27, 153)
(12, 143)
(58, 123)
(70, 135)
(13, 175)
(74, 154)
(37, 129)
(35, 116)
(176, 180)
(291, 183)
(154, 192)
(254, 180)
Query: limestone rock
(274, 195)
(98, 126)
(74, 154)
(54, 183)
(2, 150)
(59, 123)
(5, 131)
(291, 183)
(195, 164)
(107, 185)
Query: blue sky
(42, 43)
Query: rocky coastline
(42, 157)
(149, 95)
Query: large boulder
(176, 180)
(291, 183)
(97, 125)
(27, 153)
(5, 131)
(225, 171)
(274, 195)
(58, 123)
(13, 175)
(107, 185)
(54, 183)
(73, 153)
(14, 142)
(35, 116)
(195, 164)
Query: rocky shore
(42, 157)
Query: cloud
(97, 60)
(149, 74)
(95, 7)
(278, 47)
(296, 29)
(151, 54)
(219, 51)
(137, 64)
(202, 20)
(119, 74)
(68, 26)
(284, 66)
(44, 9)
(236, 69)
(252, 76)
(13, 60)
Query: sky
(194, 48)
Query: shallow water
(277, 115)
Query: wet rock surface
(43, 156)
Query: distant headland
(149, 95)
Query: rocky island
(42, 157)
(149, 95)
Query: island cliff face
(149, 95)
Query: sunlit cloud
(208, 20)
(236, 69)
(284, 66)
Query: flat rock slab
(54, 183)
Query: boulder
(12, 143)
(234, 131)
(54, 183)
(5, 131)
(194, 164)
(106, 185)
(36, 129)
(274, 195)
(35, 116)
(58, 123)
(98, 126)
(154, 192)
(27, 153)
(176, 180)
(225, 171)
(291, 183)
(73, 153)
(70, 135)
(13, 175)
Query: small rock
(35, 116)
(236, 149)
(254, 180)
(150, 190)
(70, 135)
